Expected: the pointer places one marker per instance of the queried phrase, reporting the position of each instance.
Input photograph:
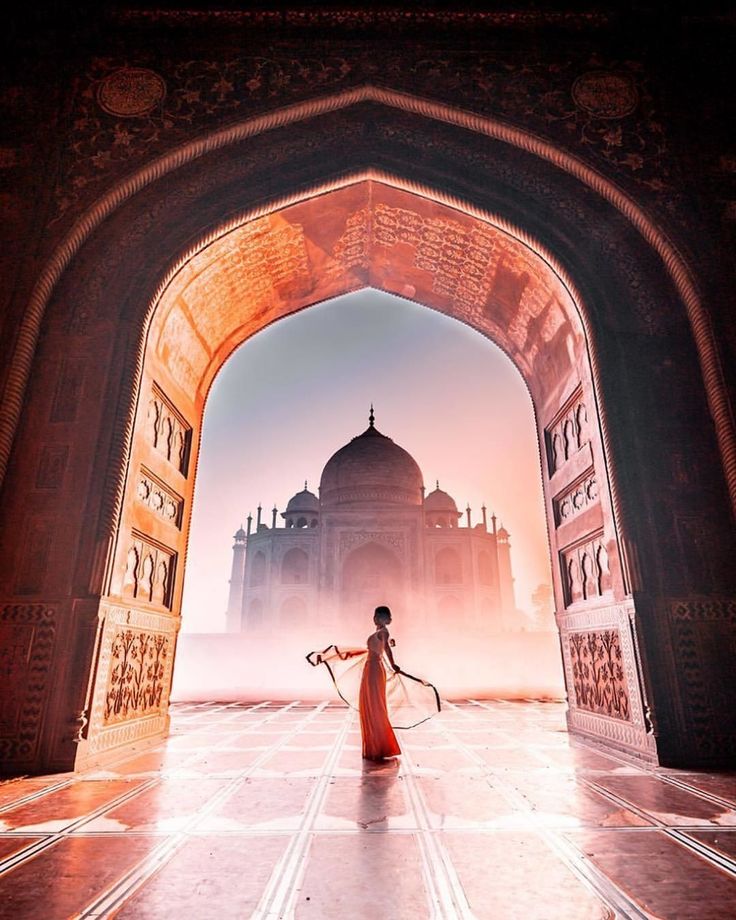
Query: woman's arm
(387, 649)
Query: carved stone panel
(135, 683)
(159, 498)
(132, 679)
(585, 571)
(27, 634)
(704, 640)
(600, 658)
(567, 433)
(51, 466)
(576, 499)
(598, 673)
(149, 572)
(167, 431)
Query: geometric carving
(575, 499)
(167, 431)
(26, 652)
(131, 91)
(149, 572)
(51, 466)
(160, 499)
(567, 432)
(585, 570)
(135, 683)
(704, 638)
(598, 674)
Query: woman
(398, 700)
(379, 740)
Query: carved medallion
(605, 94)
(131, 91)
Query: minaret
(505, 578)
(237, 576)
(499, 598)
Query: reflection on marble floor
(267, 811)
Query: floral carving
(593, 110)
(135, 686)
(598, 673)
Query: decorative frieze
(598, 673)
(576, 499)
(585, 571)
(167, 431)
(149, 572)
(159, 498)
(393, 540)
(567, 433)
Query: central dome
(371, 469)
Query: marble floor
(267, 811)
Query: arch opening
(384, 235)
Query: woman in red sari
(384, 700)
(379, 740)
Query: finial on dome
(305, 485)
(436, 483)
(371, 418)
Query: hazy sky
(293, 394)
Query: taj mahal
(372, 536)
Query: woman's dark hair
(383, 613)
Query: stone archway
(243, 257)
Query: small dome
(304, 502)
(440, 502)
(240, 534)
(371, 468)
(503, 533)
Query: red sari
(379, 740)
